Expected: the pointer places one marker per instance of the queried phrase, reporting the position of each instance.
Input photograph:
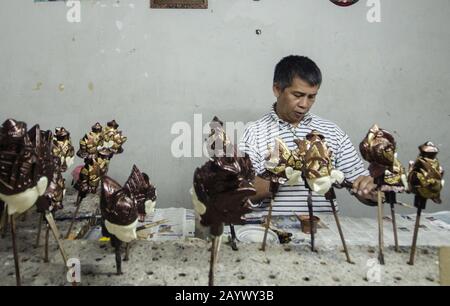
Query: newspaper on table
(434, 230)
(168, 224)
(163, 224)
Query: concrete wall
(151, 68)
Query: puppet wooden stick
(311, 220)
(267, 226)
(38, 237)
(16, 254)
(233, 238)
(421, 203)
(380, 228)
(391, 199)
(215, 245)
(331, 196)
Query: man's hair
(296, 66)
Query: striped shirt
(259, 134)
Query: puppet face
(379, 149)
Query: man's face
(295, 101)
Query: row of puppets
(32, 163)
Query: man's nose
(303, 102)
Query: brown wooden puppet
(122, 207)
(221, 189)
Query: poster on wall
(344, 2)
(182, 4)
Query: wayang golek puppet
(27, 165)
(97, 149)
(221, 189)
(122, 207)
(380, 150)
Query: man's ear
(276, 90)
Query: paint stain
(38, 86)
(61, 87)
(91, 86)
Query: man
(296, 84)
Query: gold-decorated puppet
(320, 176)
(97, 148)
(425, 179)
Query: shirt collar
(304, 122)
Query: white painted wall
(150, 68)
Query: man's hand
(262, 187)
(365, 189)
